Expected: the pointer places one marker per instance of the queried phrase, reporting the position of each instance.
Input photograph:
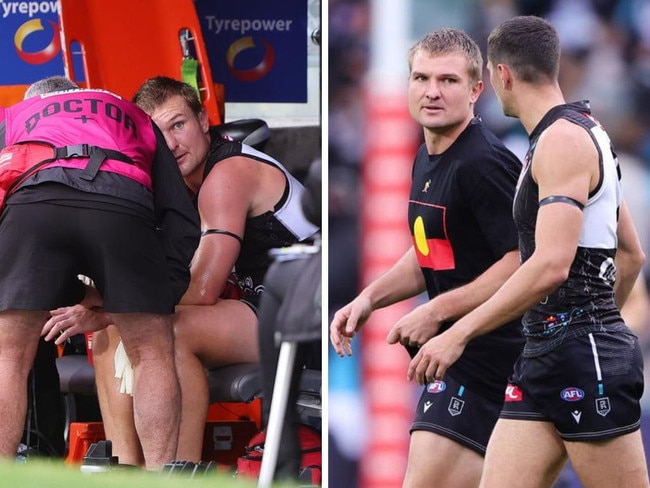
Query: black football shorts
(446, 407)
(589, 387)
(44, 246)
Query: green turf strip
(54, 474)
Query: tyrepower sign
(257, 49)
(30, 42)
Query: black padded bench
(235, 383)
(254, 132)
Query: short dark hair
(156, 91)
(448, 41)
(529, 45)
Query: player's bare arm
(629, 256)
(404, 280)
(224, 203)
(420, 325)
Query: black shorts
(44, 246)
(589, 387)
(450, 409)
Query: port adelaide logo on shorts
(455, 406)
(603, 406)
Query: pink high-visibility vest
(86, 117)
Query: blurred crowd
(605, 59)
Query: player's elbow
(555, 277)
(638, 259)
(202, 296)
(203, 301)
(553, 273)
(630, 259)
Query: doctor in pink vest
(109, 204)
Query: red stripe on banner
(391, 145)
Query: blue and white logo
(437, 386)
(572, 394)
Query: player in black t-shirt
(464, 248)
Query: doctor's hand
(65, 322)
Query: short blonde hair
(448, 41)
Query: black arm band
(219, 231)
(561, 199)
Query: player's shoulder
(480, 145)
(481, 135)
(564, 135)
(422, 152)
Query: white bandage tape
(123, 370)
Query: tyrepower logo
(33, 28)
(513, 394)
(250, 57)
(572, 394)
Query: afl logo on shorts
(437, 386)
(572, 394)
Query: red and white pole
(391, 141)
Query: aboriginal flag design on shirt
(432, 246)
(460, 208)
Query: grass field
(54, 474)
